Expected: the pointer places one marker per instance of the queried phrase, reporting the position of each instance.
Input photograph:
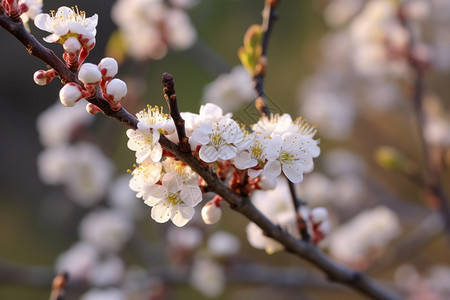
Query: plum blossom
(218, 140)
(296, 152)
(68, 22)
(144, 140)
(34, 7)
(173, 200)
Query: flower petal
(191, 195)
(208, 154)
(181, 214)
(161, 212)
(227, 152)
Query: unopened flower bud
(40, 78)
(70, 94)
(211, 212)
(108, 67)
(318, 215)
(92, 109)
(116, 90)
(72, 45)
(89, 74)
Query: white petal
(243, 160)
(227, 152)
(181, 214)
(156, 191)
(172, 182)
(293, 173)
(41, 22)
(161, 212)
(200, 137)
(272, 169)
(208, 154)
(156, 152)
(254, 172)
(272, 151)
(52, 38)
(191, 195)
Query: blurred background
(309, 74)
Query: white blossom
(219, 140)
(72, 45)
(68, 22)
(150, 27)
(78, 261)
(34, 8)
(370, 230)
(107, 229)
(222, 243)
(173, 200)
(207, 277)
(184, 237)
(230, 90)
(144, 140)
(104, 294)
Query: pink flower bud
(89, 74)
(70, 94)
(108, 67)
(40, 78)
(116, 90)
(92, 109)
(211, 212)
(318, 215)
(72, 45)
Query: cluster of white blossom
(275, 146)
(433, 285)
(230, 90)
(150, 27)
(280, 210)
(358, 239)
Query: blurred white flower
(230, 90)
(370, 230)
(211, 212)
(277, 206)
(150, 27)
(104, 294)
(222, 243)
(207, 277)
(109, 270)
(78, 261)
(34, 8)
(107, 229)
(339, 12)
(184, 237)
(121, 197)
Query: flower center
(287, 158)
(174, 199)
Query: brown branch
(243, 205)
(269, 16)
(432, 177)
(171, 98)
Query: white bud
(92, 109)
(324, 227)
(211, 212)
(319, 215)
(70, 94)
(108, 67)
(72, 45)
(40, 78)
(117, 89)
(89, 74)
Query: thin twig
(301, 223)
(432, 177)
(307, 251)
(270, 14)
(171, 98)
(59, 287)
